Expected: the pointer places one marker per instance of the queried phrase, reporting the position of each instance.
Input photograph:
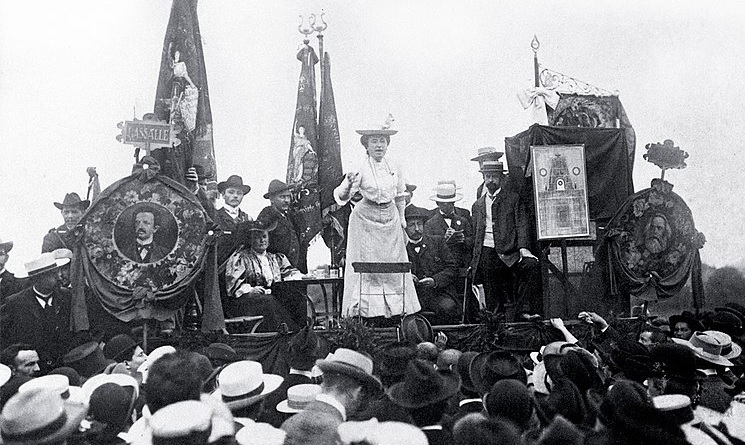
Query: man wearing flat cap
(72, 208)
(9, 284)
(283, 239)
(500, 252)
(345, 374)
(40, 315)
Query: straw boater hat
(487, 153)
(298, 397)
(39, 416)
(730, 350)
(72, 200)
(446, 191)
(233, 181)
(153, 357)
(384, 130)
(423, 385)
(57, 383)
(188, 421)
(706, 347)
(244, 383)
(45, 263)
(491, 166)
(6, 246)
(275, 187)
(351, 364)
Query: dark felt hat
(393, 359)
(423, 385)
(233, 181)
(725, 321)
(488, 368)
(276, 187)
(410, 187)
(87, 359)
(72, 200)
(111, 404)
(464, 365)
(415, 328)
(305, 348)
(674, 361)
(220, 353)
(119, 347)
(561, 432)
(6, 246)
(72, 375)
(627, 409)
(688, 318)
(414, 212)
(510, 399)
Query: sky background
(448, 72)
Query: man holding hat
(451, 223)
(9, 284)
(345, 374)
(72, 208)
(433, 269)
(283, 239)
(500, 252)
(40, 314)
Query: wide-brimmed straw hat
(276, 187)
(45, 263)
(6, 246)
(424, 385)
(351, 364)
(730, 350)
(233, 181)
(244, 383)
(487, 153)
(298, 397)
(706, 347)
(39, 416)
(446, 191)
(73, 200)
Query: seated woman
(250, 273)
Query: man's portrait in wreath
(657, 234)
(145, 232)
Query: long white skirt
(376, 236)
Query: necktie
(144, 249)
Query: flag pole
(319, 28)
(535, 44)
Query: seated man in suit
(434, 270)
(451, 223)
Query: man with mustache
(145, 248)
(657, 234)
(72, 209)
(500, 255)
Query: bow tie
(141, 247)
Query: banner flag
(302, 164)
(182, 97)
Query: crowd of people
(673, 381)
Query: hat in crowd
(410, 187)
(675, 408)
(488, 368)
(87, 359)
(510, 399)
(220, 354)
(446, 191)
(392, 360)
(633, 359)
(72, 375)
(44, 263)
(351, 364)
(259, 433)
(561, 432)
(686, 317)
(413, 212)
(243, 383)
(72, 200)
(448, 359)
(487, 153)
(427, 350)
(120, 348)
(464, 366)
(378, 433)
(423, 385)
(154, 355)
(706, 347)
(276, 187)
(673, 360)
(40, 416)
(305, 348)
(260, 225)
(725, 321)
(5, 374)
(6, 246)
(491, 166)
(185, 422)
(124, 380)
(111, 404)
(298, 397)
(381, 130)
(415, 328)
(627, 407)
(730, 350)
(57, 383)
(233, 181)
(733, 308)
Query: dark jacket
(282, 239)
(228, 242)
(437, 226)
(434, 260)
(318, 425)
(510, 227)
(10, 285)
(439, 437)
(58, 238)
(22, 320)
(156, 253)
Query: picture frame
(560, 191)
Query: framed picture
(560, 188)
